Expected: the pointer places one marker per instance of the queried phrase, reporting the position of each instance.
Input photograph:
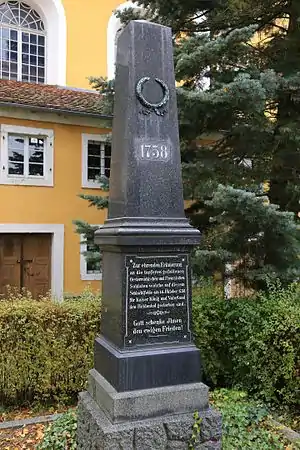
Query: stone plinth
(152, 419)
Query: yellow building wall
(87, 39)
(59, 204)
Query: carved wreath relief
(158, 108)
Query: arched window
(23, 43)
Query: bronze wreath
(153, 106)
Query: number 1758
(154, 152)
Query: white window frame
(53, 14)
(84, 276)
(25, 29)
(48, 135)
(85, 182)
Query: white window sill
(91, 185)
(26, 182)
(91, 276)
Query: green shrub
(46, 349)
(252, 343)
(61, 434)
(243, 423)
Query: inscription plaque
(150, 150)
(157, 299)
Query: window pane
(107, 159)
(14, 46)
(25, 48)
(36, 170)
(33, 79)
(94, 161)
(36, 142)
(36, 156)
(25, 69)
(41, 40)
(15, 168)
(33, 39)
(25, 58)
(5, 33)
(5, 48)
(36, 150)
(13, 35)
(92, 266)
(41, 61)
(93, 174)
(15, 142)
(14, 56)
(33, 49)
(25, 37)
(5, 66)
(15, 155)
(33, 59)
(94, 148)
(13, 68)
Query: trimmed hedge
(251, 343)
(46, 349)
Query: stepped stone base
(113, 424)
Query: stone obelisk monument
(146, 381)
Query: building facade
(54, 139)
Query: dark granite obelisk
(146, 366)
(146, 240)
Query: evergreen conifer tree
(240, 136)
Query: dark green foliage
(244, 225)
(247, 118)
(46, 349)
(250, 114)
(87, 231)
(244, 425)
(194, 439)
(61, 434)
(252, 343)
(106, 89)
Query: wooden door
(10, 258)
(25, 262)
(36, 264)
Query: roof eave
(55, 110)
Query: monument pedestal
(143, 368)
(152, 419)
(146, 382)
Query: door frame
(57, 249)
